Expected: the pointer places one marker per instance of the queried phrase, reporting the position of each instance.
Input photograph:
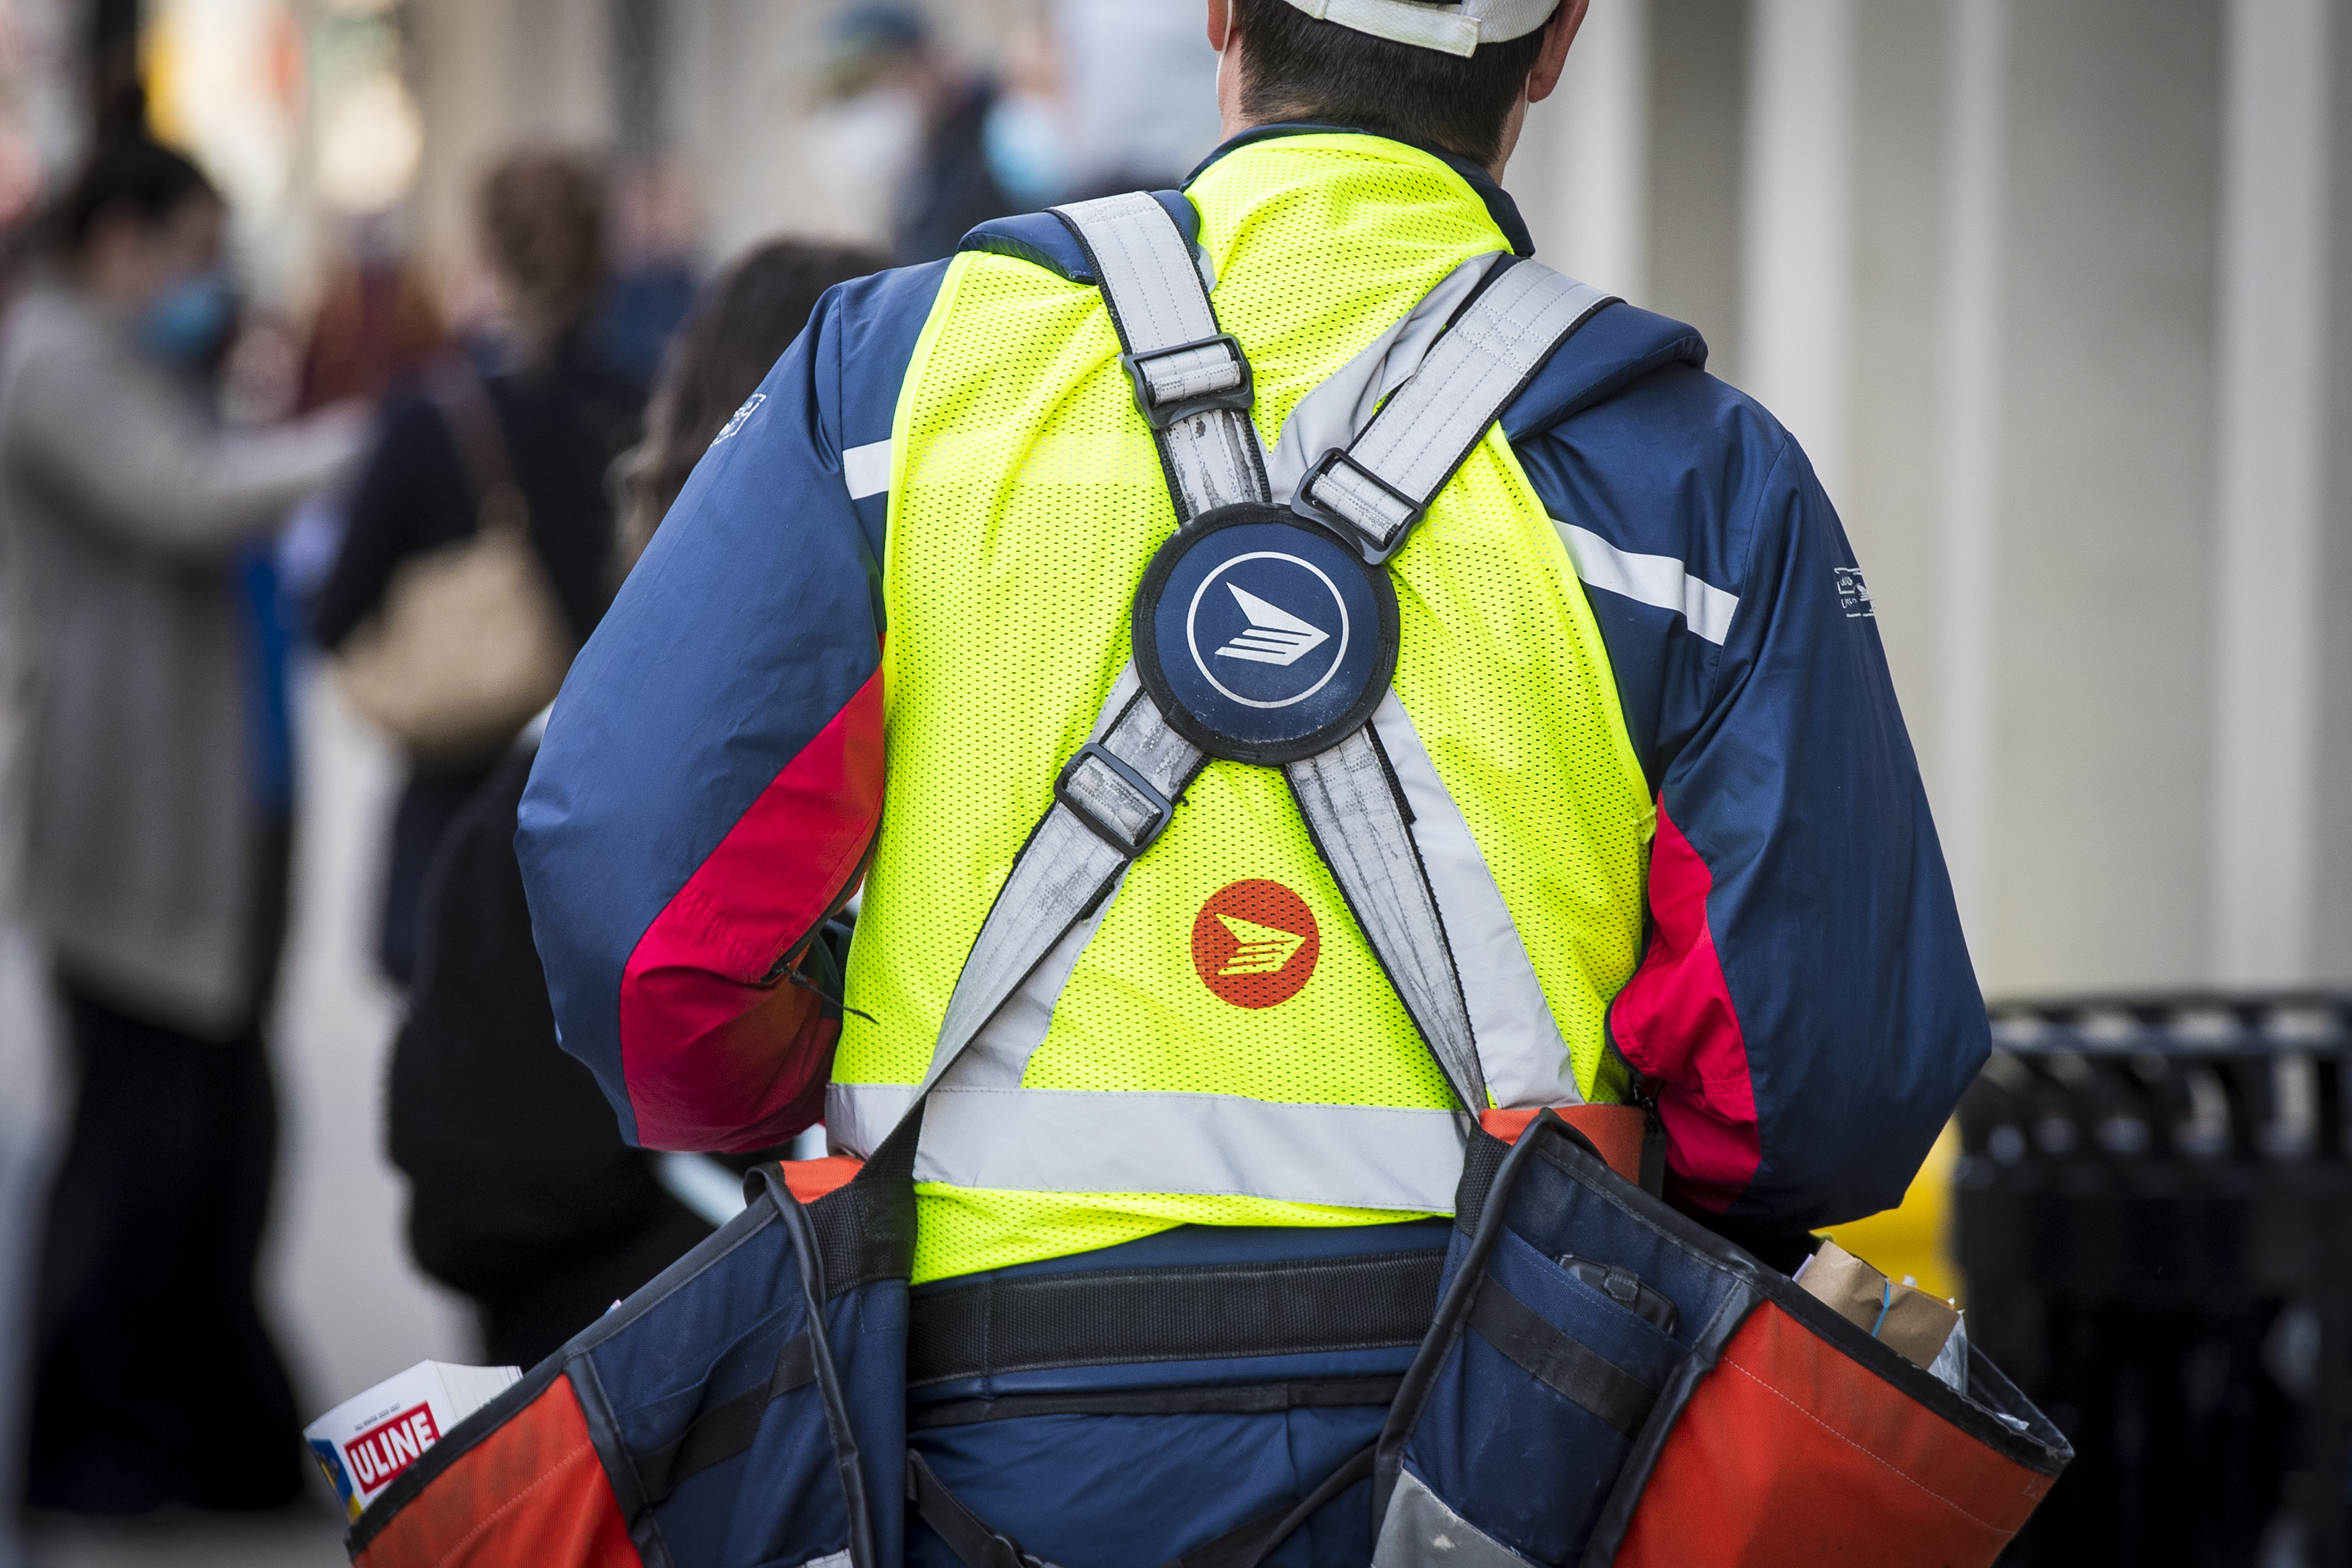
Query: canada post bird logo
(1274, 636)
(1262, 950)
(1263, 639)
(1255, 943)
(1274, 643)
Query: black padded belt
(1218, 1313)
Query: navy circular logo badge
(1261, 639)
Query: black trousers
(155, 1382)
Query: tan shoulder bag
(470, 639)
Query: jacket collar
(1499, 205)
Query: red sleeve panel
(698, 988)
(1675, 1023)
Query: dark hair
(138, 177)
(1296, 67)
(740, 325)
(542, 214)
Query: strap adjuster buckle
(1146, 807)
(1376, 540)
(1240, 391)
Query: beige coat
(119, 507)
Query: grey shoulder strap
(1375, 490)
(1117, 792)
(1192, 381)
(1114, 798)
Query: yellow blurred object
(1915, 1238)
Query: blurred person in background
(907, 117)
(158, 798)
(522, 1194)
(653, 271)
(560, 410)
(376, 328)
(376, 324)
(1137, 84)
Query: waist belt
(1174, 1313)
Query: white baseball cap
(1457, 29)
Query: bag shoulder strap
(485, 461)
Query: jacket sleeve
(1805, 1011)
(711, 777)
(142, 466)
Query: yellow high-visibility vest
(1224, 1033)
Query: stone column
(2100, 562)
(1582, 175)
(1798, 284)
(2272, 496)
(490, 78)
(2332, 919)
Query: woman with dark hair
(522, 1194)
(740, 326)
(157, 795)
(550, 411)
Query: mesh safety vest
(1217, 1043)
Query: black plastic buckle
(1160, 416)
(1374, 550)
(1109, 833)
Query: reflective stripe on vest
(1205, 1145)
(1156, 1070)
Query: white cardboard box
(364, 1443)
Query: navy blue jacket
(1805, 1013)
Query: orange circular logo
(1255, 943)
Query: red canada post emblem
(1255, 943)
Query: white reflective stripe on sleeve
(866, 469)
(1659, 580)
(1084, 1141)
(1520, 1049)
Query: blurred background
(2057, 294)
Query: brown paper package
(1917, 1323)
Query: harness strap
(1330, 414)
(1378, 488)
(1357, 815)
(724, 1430)
(1193, 385)
(1190, 1399)
(1192, 382)
(1113, 799)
